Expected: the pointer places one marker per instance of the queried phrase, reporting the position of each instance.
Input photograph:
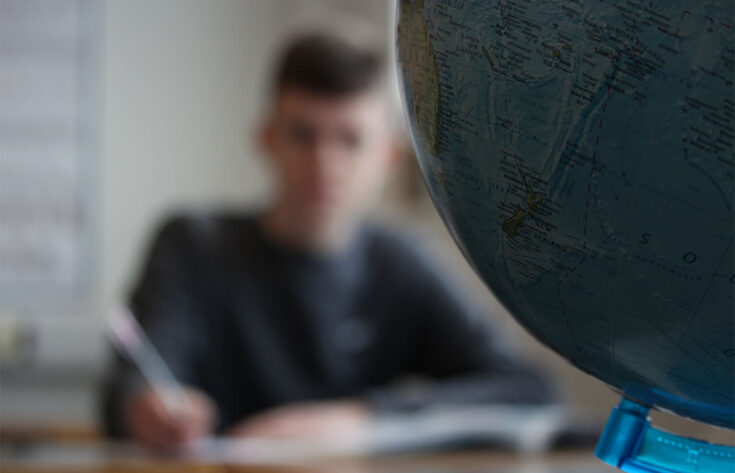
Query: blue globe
(581, 155)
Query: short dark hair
(330, 65)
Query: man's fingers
(202, 415)
(154, 427)
(152, 424)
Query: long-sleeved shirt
(255, 324)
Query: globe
(581, 155)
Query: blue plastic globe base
(630, 443)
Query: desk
(121, 458)
(384, 448)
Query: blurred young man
(297, 321)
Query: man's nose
(325, 154)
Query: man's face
(330, 154)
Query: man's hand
(151, 424)
(307, 421)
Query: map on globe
(581, 154)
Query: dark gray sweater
(256, 325)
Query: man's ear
(397, 151)
(265, 136)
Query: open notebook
(524, 429)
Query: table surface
(426, 443)
(119, 458)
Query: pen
(130, 340)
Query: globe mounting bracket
(631, 443)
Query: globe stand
(630, 443)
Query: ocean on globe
(581, 155)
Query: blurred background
(113, 114)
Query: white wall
(180, 93)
